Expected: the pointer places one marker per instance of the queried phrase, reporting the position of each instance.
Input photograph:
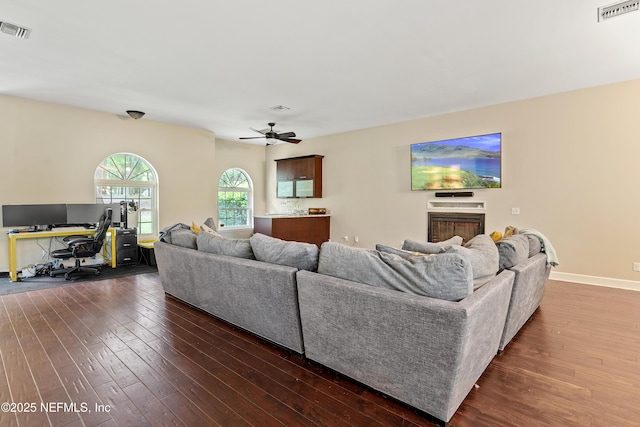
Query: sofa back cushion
(513, 250)
(303, 256)
(239, 248)
(535, 245)
(400, 252)
(443, 276)
(183, 237)
(482, 254)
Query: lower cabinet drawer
(127, 255)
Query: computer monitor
(33, 215)
(89, 213)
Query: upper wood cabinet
(299, 177)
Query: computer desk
(14, 237)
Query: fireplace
(446, 219)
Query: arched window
(126, 177)
(235, 199)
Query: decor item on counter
(460, 163)
(317, 211)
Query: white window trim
(153, 185)
(249, 190)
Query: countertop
(290, 216)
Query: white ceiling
(339, 65)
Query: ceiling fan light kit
(273, 137)
(135, 114)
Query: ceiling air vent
(14, 30)
(617, 9)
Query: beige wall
(250, 158)
(570, 163)
(50, 152)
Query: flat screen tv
(460, 163)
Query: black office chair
(83, 247)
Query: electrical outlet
(636, 266)
(515, 211)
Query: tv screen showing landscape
(460, 163)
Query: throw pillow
(430, 247)
(482, 254)
(211, 223)
(303, 256)
(513, 250)
(239, 248)
(195, 228)
(206, 229)
(443, 276)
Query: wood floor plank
(277, 384)
(205, 333)
(143, 358)
(152, 408)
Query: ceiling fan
(270, 134)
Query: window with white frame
(235, 199)
(127, 177)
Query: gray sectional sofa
(423, 351)
(522, 255)
(419, 328)
(259, 297)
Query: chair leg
(77, 268)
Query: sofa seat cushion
(303, 256)
(513, 250)
(443, 276)
(482, 254)
(239, 248)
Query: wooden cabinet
(443, 226)
(299, 177)
(308, 229)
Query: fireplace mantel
(455, 205)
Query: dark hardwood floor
(120, 353)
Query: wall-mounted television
(459, 163)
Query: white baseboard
(595, 280)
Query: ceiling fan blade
(291, 140)
(263, 131)
(286, 135)
(273, 135)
